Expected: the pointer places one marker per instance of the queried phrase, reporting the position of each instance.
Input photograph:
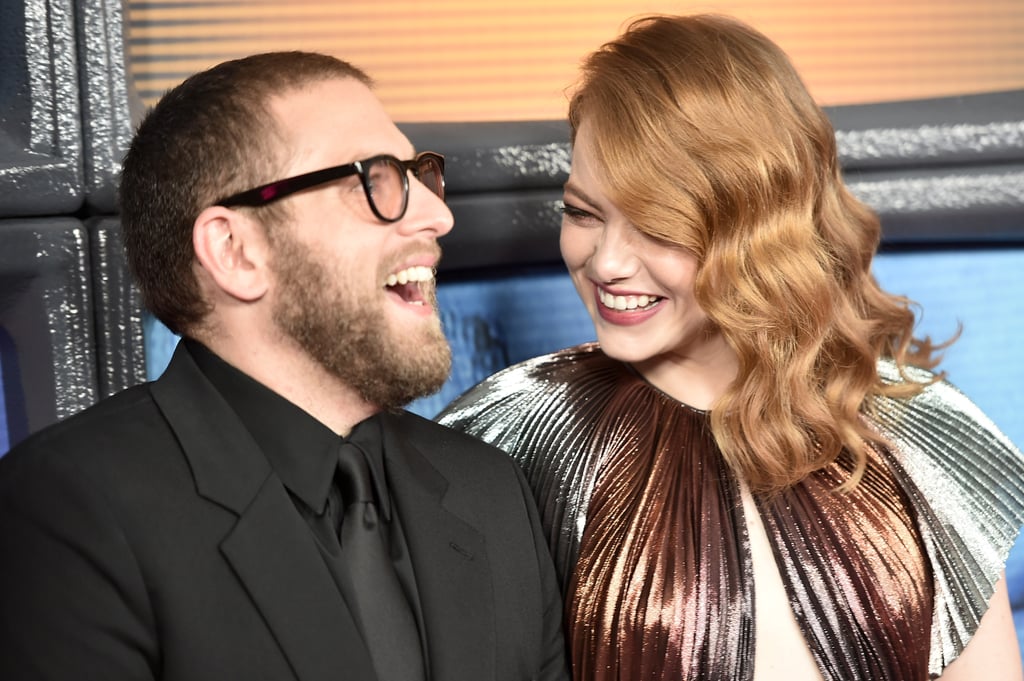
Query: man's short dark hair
(210, 136)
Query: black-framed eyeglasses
(385, 181)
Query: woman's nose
(614, 257)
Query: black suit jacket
(148, 538)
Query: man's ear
(232, 248)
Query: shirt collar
(302, 450)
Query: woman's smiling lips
(623, 308)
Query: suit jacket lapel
(271, 549)
(450, 562)
(277, 560)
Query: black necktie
(380, 605)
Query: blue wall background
(493, 323)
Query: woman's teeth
(627, 302)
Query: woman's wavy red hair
(708, 138)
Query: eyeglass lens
(429, 172)
(386, 185)
(386, 180)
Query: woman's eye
(576, 214)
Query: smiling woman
(759, 473)
(463, 60)
(639, 290)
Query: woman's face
(638, 290)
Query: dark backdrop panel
(947, 170)
(49, 357)
(109, 101)
(40, 121)
(120, 348)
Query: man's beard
(352, 340)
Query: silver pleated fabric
(889, 581)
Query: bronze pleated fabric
(662, 586)
(854, 566)
(649, 538)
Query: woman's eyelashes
(577, 214)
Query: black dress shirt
(304, 454)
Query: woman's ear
(232, 249)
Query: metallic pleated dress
(647, 528)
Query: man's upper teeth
(626, 302)
(416, 273)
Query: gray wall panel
(46, 316)
(40, 121)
